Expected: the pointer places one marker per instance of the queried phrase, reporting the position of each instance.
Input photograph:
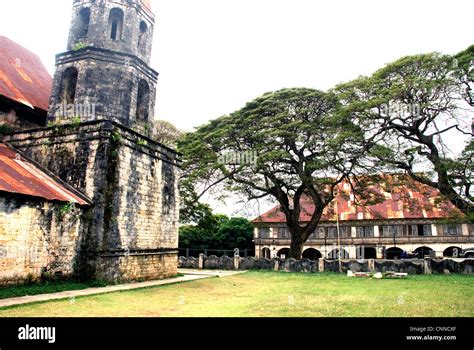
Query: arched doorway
(311, 254)
(366, 252)
(424, 251)
(266, 253)
(283, 253)
(334, 254)
(393, 253)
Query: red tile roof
(18, 175)
(23, 77)
(403, 198)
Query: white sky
(215, 55)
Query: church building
(85, 189)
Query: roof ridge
(403, 198)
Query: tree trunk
(296, 247)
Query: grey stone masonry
(135, 37)
(133, 183)
(107, 65)
(97, 141)
(108, 81)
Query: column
(434, 230)
(376, 231)
(465, 229)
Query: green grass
(276, 294)
(45, 287)
(52, 286)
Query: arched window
(142, 36)
(116, 24)
(334, 254)
(266, 253)
(84, 20)
(425, 251)
(143, 100)
(67, 92)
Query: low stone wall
(188, 263)
(465, 266)
(139, 266)
(412, 266)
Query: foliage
(401, 118)
(305, 149)
(464, 62)
(166, 133)
(76, 121)
(79, 46)
(116, 137)
(142, 142)
(217, 232)
(6, 129)
(65, 209)
(235, 233)
(31, 287)
(411, 110)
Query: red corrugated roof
(404, 198)
(18, 175)
(23, 77)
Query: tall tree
(166, 133)
(412, 110)
(463, 67)
(303, 149)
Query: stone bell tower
(105, 73)
(102, 105)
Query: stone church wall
(37, 238)
(132, 182)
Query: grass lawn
(276, 294)
(45, 287)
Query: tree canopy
(216, 231)
(412, 111)
(166, 133)
(303, 148)
(299, 144)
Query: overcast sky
(215, 55)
